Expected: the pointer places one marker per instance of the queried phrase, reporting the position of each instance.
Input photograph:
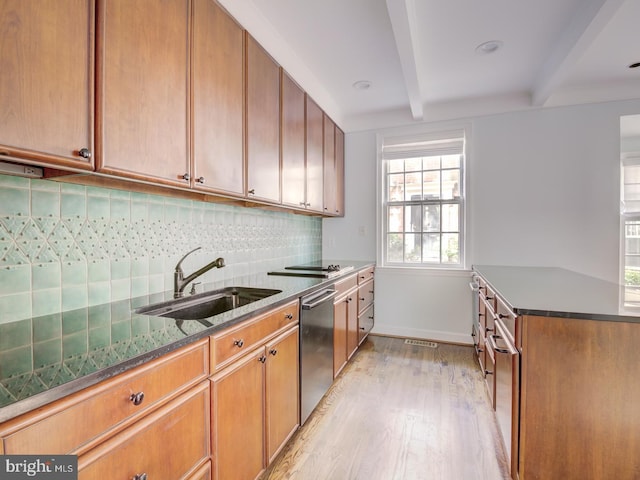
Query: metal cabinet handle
(288, 316)
(262, 359)
(137, 398)
(140, 476)
(84, 153)
(252, 191)
(239, 343)
(200, 179)
(487, 297)
(186, 177)
(488, 372)
(362, 299)
(273, 352)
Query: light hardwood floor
(399, 412)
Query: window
(423, 200)
(631, 229)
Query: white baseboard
(435, 335)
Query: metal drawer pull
(140, 476)
(137, 398)
(239, 343)
(273, 352)
(495, 345)
(288, 316)
(262, 359)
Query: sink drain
(420, 343)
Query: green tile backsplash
(66, 247)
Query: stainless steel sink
(208, 304)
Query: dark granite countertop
(556, 292)
(46, 358)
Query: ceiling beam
(590, 19)
(403, 22)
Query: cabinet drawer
(346, 284)
(365, 323)
(509, 319)
(170, 443)
(365, 296)
(230, 344)
(365, 275)
(78, 422)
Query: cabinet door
(293, 132)
(352, 323)
(237, 416)
(329, 162)
(339, 169)
(143, 86)
(46, 84)
(263, 123)
(218, 94)
(340, 319)
(282, 387)
(314, 159)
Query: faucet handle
(193, 288)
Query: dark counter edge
(558, 314)
(42, 399)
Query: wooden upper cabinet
(46, 81)
(314, 164)
(263, 123)
(218, 95)
(339, 168)
(293, 143)
(143, 89)
(330, 206)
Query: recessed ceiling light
(489, 47)
(634, 65)
(362, 85)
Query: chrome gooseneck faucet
(179, 280)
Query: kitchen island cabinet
(142, 92)
(565, 360)
(46, 86)
(218, 100)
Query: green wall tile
(15, 201)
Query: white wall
(543, 190)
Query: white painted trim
(423, 272)
(423, 334)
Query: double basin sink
(207, 304)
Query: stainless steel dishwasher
(316, 348)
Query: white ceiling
(420, 58)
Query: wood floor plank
(399, 412)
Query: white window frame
(629, 212)
(403, 139)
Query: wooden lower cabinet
(345, 323)
(170, 443)
(254, 408)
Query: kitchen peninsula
(560, 361)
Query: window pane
(395, 166)
(450, 184)
(450, 220)
(394, 247)
(413, 220)
(450, 248)
(412, 187)
(431, 218)
(413, 164)
(395, 223)
(431, 163)
(431, 247)
(451, 161)
(412, 248)
(431, 184)
(396, 187)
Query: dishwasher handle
(313, 301)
